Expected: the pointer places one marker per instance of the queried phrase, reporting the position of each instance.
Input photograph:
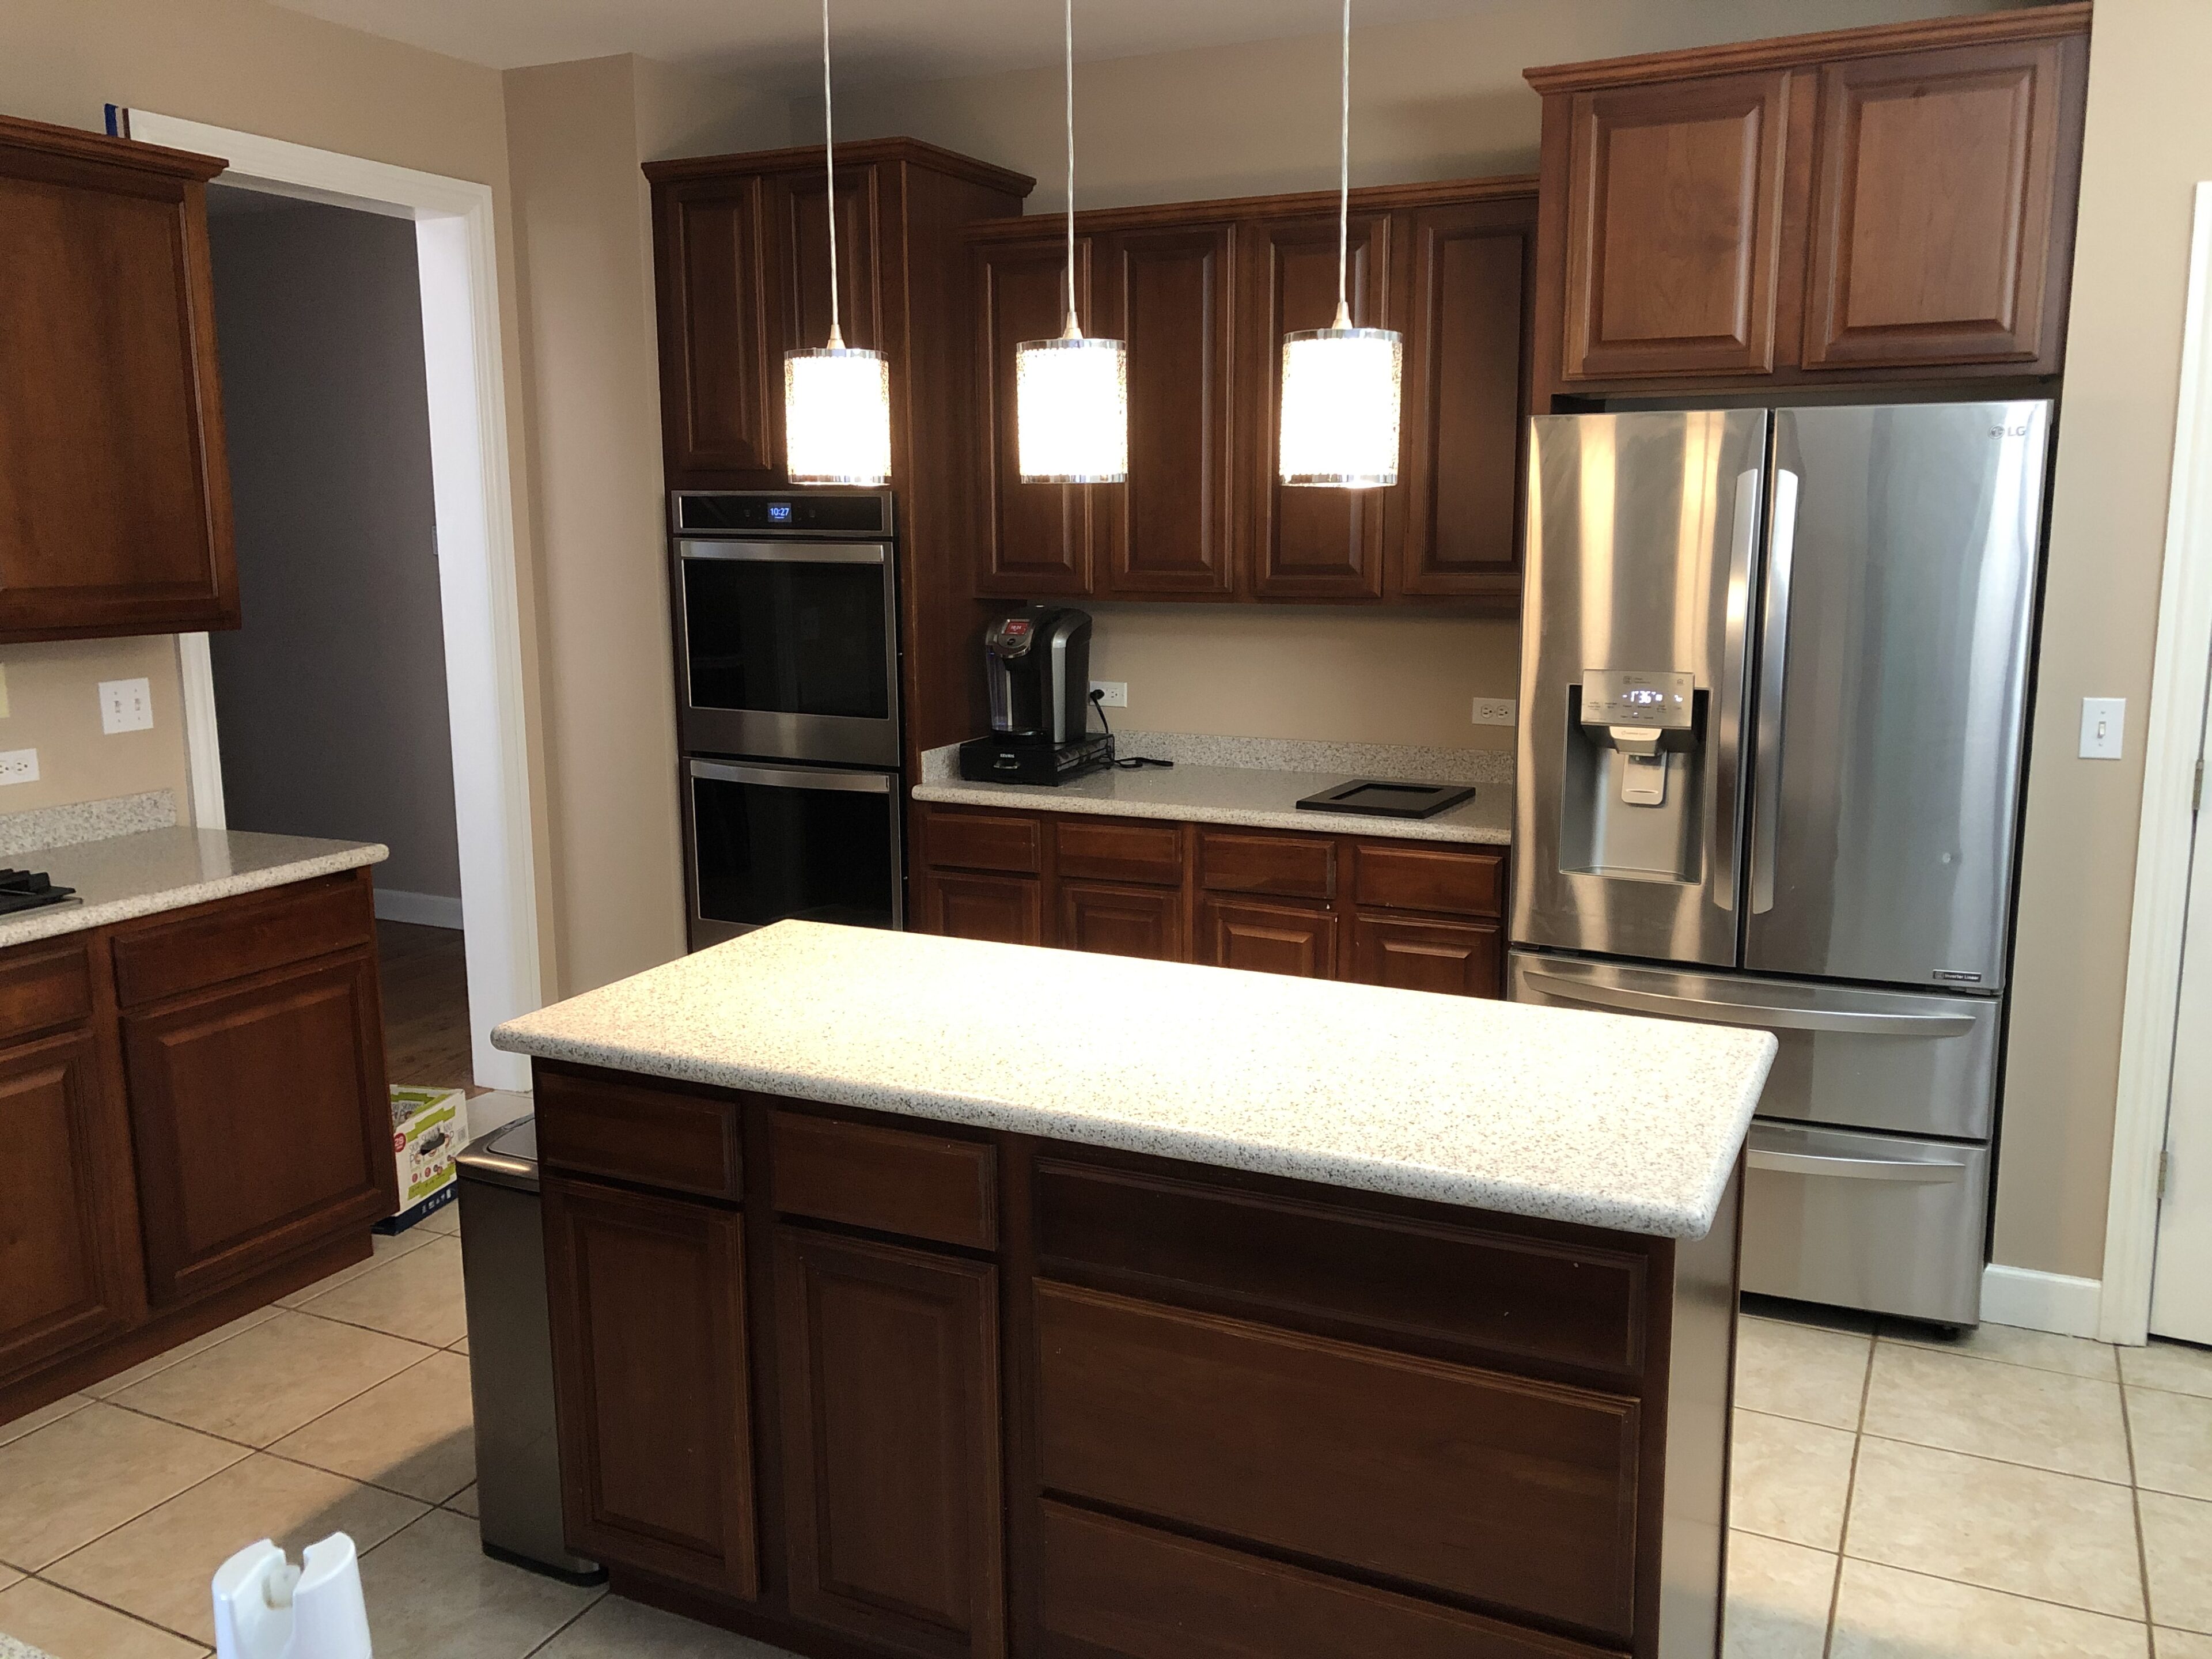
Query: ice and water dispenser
(1634, 777)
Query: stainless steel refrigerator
(1774, 689)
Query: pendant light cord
(1344, 173)
(1074, 330)
(830, 167)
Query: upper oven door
(789, 649)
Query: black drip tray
(1382, 798)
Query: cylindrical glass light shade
(1339, 424)
(837, 417)
(1071, 410)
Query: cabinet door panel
(1932, 237)
(1035, 537)
(1468, 272)
(1121, 921)
(648, 1303)
(1305, 543)
(1267, 938)
(284, 1077)
(890, 1400)
(1167, 531)
(722, 384)
(68, 1256)
(1457, 958)
(1673, 226)
(1006, 909)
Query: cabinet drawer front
(978, 841)
(1100, 849)
(1274, 865)
(239, 937)
(894, 1180)
(654, 1135)
(43, 986)
(1111, 1586)
(1452, 958)
(1518, 1494)
(1388, 1280)
(1423, 879)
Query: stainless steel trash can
(511, 1355)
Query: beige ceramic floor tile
(2173, 1441)
(9, 1575)
(259, 1387)
(1800, 1371)
(433, 1593)
(2009, 1344)
(2182, 1644)
(381, 1251)
(70, 1627)
(495, 1108)
(109, 1388)
(460, 1348)
(617, 1628)
(2002, 1526)
(2177, 1536)
(31, 1422)
(2173, 1366)
(416, 1296)
(1778, 1599)
(158, 1567)
(1884, 1613)
(1789, 1479)
(2070, 1423)
(410, 1432)
(93, 1470)
(465, 1500)
(447, 1220)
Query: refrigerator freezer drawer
(1905, 1061)
(1884, 1223)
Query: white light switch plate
(125, 706)
(2104, 723)
(19, 766)
(1494, 711)
(1117, 693)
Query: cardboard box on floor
(428, 1126)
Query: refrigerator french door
(1774, 694)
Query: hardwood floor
(426, 1005)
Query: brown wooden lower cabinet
(1121, 922)
(1267, 938)
(1457, 957)
(1002, 909)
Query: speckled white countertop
(156, 869)
(1611, 1121)
(11, 1649)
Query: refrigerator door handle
(1773, 663)
(1840, 1022)
(1855, 1168)
(1724, 810)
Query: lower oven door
(767, 843)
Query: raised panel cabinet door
(1457, 959)
(69, 1255)
(262, 1121)
(798, 253)
(1167, 533)
(1267, 938)
(1004, 909)
(1035, 537)
(890, 1407)
(650, 1384)
(1674, 228)
(1468, 271)
(1121, 922)
(1937, 200)
(721, 369)
(115, 512)
(1304, 543)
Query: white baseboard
(424, 910)
(2040, 1302)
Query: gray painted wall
(331, 699)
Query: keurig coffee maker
(1036, 665)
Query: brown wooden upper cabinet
(114, 485)
(1202, 293)
(1881, 203)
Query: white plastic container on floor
(267, 1609)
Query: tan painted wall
(53, 706)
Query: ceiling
(876, 40)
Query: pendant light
(836, 400)
(1340, 410)
(1071, 394)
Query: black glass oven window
(787, 639)
(770, 852)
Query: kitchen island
(922, 1296)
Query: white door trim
(477, 578)
(2168, 826)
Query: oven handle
(786, 552)
(791, 777)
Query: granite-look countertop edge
(1008, 797)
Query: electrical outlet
(1117, 693)
(125, 706)
(1495, 711)
(19, 766)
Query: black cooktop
(28, 889)
(1381, 798)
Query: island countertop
(1597, 1119)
